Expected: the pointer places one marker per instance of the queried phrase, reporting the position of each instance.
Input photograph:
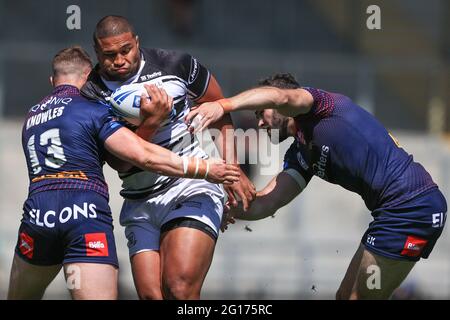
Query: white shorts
(189, 198)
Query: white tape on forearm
(185, 164)
(207, 169)
(297, 177)
(196, 167)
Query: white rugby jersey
(184, 79)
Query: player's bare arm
(281, 190)
(244, 188)
(127, 146)
(288, 102)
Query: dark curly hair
(280, 80)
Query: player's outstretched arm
(289, 102)
(244, 188)
(127, 146)
(281, 190)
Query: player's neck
(65, 82)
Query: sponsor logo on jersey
(96, 245)
(370, 240)
(193, 74)
(151, 76)
(413, 246)
(190, 204)
(320, 166)
(75, 212)
(302, 161)
(131, 240)
(438, 219)
(80, 175)
(52, 101)
(26, 245)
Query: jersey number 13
(54, 158)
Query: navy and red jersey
(343, 144)
(63, 138)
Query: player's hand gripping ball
(126, 102)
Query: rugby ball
(126, 102)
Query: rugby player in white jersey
(171, 224)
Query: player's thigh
(91, 281)
(371, 276)
(146, 268)
(28, 281)
(346, 287)
(379, 276)
(186, 255)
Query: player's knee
(150, 294)
(180, 288)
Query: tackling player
(171, 224)
(67, 220)
(340, 142)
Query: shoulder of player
(319, 94)
(91, 108)
(292, 150)
(158, 55)
(323, 102)
(314, 92)
(169, 61)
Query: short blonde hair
(71, 61)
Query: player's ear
(86, 73)
(137, 41)
(51, 80)
(95, 45)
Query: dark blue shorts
(407, 231)
(66, 226)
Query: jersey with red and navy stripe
(344, 144)
(63, 138)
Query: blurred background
(400, 73)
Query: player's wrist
(195, 168)
(226, 105)
(150, 123)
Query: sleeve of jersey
(323, 102)
(107, 124)
(195, 74)
(292, 167)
